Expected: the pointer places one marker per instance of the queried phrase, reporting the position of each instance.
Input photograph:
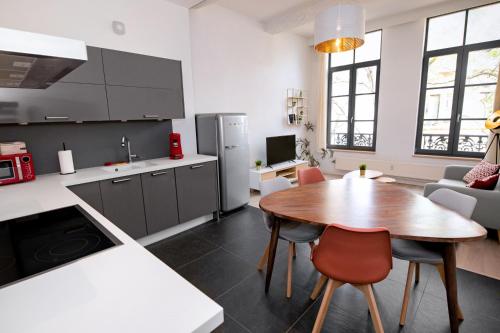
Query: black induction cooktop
(37, 243)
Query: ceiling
(297, 15)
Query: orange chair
(350, 255)
(310, 176)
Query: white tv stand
(285, 169)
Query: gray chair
(292, 232)
(427, 253)
(486, 212)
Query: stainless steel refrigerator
(226, 135)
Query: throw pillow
(487, 183)
(480, 171)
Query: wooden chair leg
(320, 319)
(417, 272)
(406, 298)
(372, 304)
(440, 268)
(290, 263)
(263, 259)
(294, 250)
(319, 285)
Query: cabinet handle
(151, 116)
(197, 166)
(56, 117)
(154, 174)
(121, 180)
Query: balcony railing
(466, 143)
(360, 139)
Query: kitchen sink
(125, 167)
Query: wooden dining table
(364, 203)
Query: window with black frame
(460, 72)
(353, 80)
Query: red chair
(350, 255)
(310, 176)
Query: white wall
(237, 67)
(153, 27)
(401, 68)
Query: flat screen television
(280, 149)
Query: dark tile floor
(220, 259)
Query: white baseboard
(150, 239)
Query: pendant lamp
(339, 28)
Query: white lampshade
(339, 28)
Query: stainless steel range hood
(35, 61)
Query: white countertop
(122, 289)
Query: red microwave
(16, 168)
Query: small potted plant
(362, 170)
(258, 164)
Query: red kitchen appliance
(16, 168)
(175, 146)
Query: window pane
(341, 58)
(473, 136)
(438, 103)
(340, 108)
(483, 24)
(365, 107)
(446, 31)
(338, 133)
(482, 66)
(370, 50)
(435, 135)
(363, 133)
(441, 71)
(478, 101)
(340, 83)
(366, 80)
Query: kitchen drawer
(90, 193)
(196, 190)
(123, 204)
(61, 102)
(160, 200)
(130, 103)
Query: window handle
(352, 119)
(458, 118)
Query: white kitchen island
(121, 289)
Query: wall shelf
(296, 106)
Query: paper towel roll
(66, 162)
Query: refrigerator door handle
(230, 147)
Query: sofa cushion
(452, 182)
(487, 183)
(480, 171)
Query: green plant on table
(362, 167)
(258, 163)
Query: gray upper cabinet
(58, 103)
(136, 70)
(123, 204)
(91, 71)
(90, 193)
(160, 200)
(130, 103)
(196, 190)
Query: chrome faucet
(131, 156)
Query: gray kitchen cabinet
(123, 204)
(90, 193)
(196, 190)
(132, 103)
(160, 200)
(61, 102)
(137, 70)
(91, 71)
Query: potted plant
(362, 170)
(258, 164)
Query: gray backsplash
(92, 144)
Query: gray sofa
(487, 212)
